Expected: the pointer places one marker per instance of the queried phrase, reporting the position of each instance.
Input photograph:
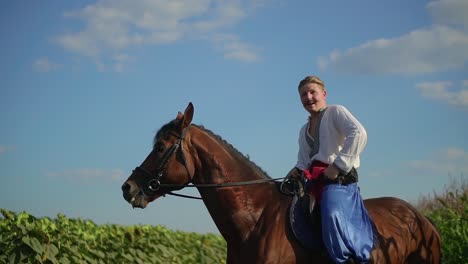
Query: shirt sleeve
(303, 159)
(355, 139)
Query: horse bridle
(154, 183)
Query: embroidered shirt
(341, 140)
(314, 142)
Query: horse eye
(159, 147)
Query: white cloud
(440, 47)
(440, 91)
(45, 65)
(5, 149)
(226, 14)
(116, 62)
(120, 60)
(89, 174)
(114, 26)
(451, 161)
(436, 49)
(449, 12)
(233, 48)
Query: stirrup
(311, 204)
(308, 204)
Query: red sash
(313, 173)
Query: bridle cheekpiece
(154, 183)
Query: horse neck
(235, 210)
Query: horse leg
(231, 257)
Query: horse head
(168, 166)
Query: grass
(450, 197)
(449, 211)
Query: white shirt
(342, 139)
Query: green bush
(27, 239)
(449, 212)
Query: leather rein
(154, 183)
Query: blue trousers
(347, 229)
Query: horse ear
(188, 115)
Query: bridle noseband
(154, 184)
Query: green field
(27, 239)
(449, 212)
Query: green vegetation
(27, 239)
(449, 212)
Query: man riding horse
(329, 146)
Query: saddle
(305, 218)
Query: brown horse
(253, 218)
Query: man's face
(313, 98)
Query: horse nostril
(126, 187)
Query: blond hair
(311, 79)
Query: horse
(250, 211)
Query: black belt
(343, 179)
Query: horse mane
(165, 129)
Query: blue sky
(84, 85)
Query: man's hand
(294, 173)
(331, 172)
